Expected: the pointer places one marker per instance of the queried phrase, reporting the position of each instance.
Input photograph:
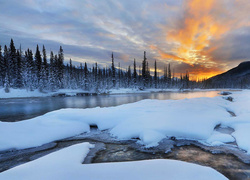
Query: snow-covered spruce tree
(60, 67)
(18, 81)
(38, 68)
(6, 63)
(155, 76)
(129, 77)
(113, 70)
(81, 77)
(12, 64)
(134, 75)
(148, 77)
(31, 71)
(70, 74)
(2, 68)
(24, 73)
(56, 72)
(96, 84)
(6, 84)
(119, 75)
(27, 70)
(45, 70)
(169, 78)
(144, 74)
(86, 80)
(52, 78)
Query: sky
(203, 37)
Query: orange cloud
(198, 71)
(192, 35)
(203, 73)
(196, 30)
(165, 55)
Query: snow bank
(20, 93)
(136, 90)
(152, 90)
(149, 120)
(23, 93)
(66, 164)
(218, 138)
(240, 123)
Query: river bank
(206, 131)
(23, 93)
(228, 160)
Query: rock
(225, 93)
(229, 98)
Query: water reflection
(25, 108)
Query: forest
(30, 71)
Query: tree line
(28, 70)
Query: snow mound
(66, 164)
(149, 120)
(218, 138)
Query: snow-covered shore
(149, 120)
(66, 164)
(23, 93)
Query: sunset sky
(205, 37)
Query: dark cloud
(234, 47)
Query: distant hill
(238, 77)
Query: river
(17, 109)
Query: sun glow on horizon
(193, 36)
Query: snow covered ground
(22, 93)
(132, 91)
(66, 164)
(149, 120)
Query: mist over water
(24, 108)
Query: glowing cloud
(202, 22)
(165, 55)
(196, 30)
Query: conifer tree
(60, 67)
(56, 72)
(144, 69)
(129, 76)
(113, 71)
(134, 74)
(119, 74)
(155, 75)
(38, 69)
(169, 74)
(45, 66)
(2, 68)
(51, 72)
(6, 72)
(86, 76)
(18, 81)
(70, 69)
(12, 63)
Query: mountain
(238, 77)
